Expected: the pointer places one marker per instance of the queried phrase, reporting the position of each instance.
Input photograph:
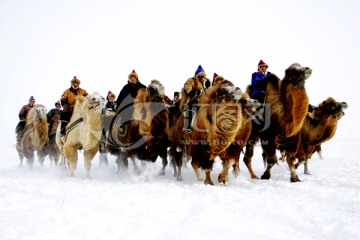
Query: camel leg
(291, 162)
(176, 158)
(29, 155)
(163, 155)
(208, 180)
(197, 171)
(122, 162)
(249, 152)
(88, 157)
(137, 170)
(293, 147)
(103, 160)
(306, 169)
(270, 151)
(223, 177)
(71, 156)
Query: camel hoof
(179, 178)
(254, 177)
(162, 172)
(295, 179)
(307, 173)
(236, 173)
(209, 183)
(266, 176)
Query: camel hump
(272, 79)
(249, 89)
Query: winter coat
(24, 111)
(52, 113)
(257, 81)
(68, 98)
(128, 94)
(111, 105)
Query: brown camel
(51, 149)
(319, 127)
(217, 124)
(147, 135)
(35, 135)
(180, 139)
(288, 104)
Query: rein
(92, 105)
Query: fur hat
(262, 63)
(176, 94)
(75, 79)
(56, 103)
(200, 72)
(31, 99)
(111, 94)
(133, 73)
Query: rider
(22, 116)
(259, 87)
(126, 98)
(192, 107)
(68, 100)
(52, 113)
(217, 80)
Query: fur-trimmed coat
(68, 98)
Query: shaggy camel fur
(319, 127)
(147, 134)
(288, 103)
(179, 138)
(35, 135)
(84, 135)
(249, 107)
(51, 147)
(217, 123)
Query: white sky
(43, 44)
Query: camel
(249, 107)
(35, 135)
(51, 149)
(319, 127)
(83, 132)
(288, 103)
(180, 139)
(147, 135)
(218, 122)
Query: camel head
(297, 74)
(228, 91)
(95, 101)
(249, 104)
(155, 91)
(40, 113)
(330, 108)
(192, 84)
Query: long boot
(63, 125)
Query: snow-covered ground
(41, 204)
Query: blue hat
(200, 70)
(31, 98)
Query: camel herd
(224, 125)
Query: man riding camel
(19, 130)
(126, 98)
(68, 100)
(52, 113)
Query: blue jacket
(255, 82)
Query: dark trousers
(64, 120)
